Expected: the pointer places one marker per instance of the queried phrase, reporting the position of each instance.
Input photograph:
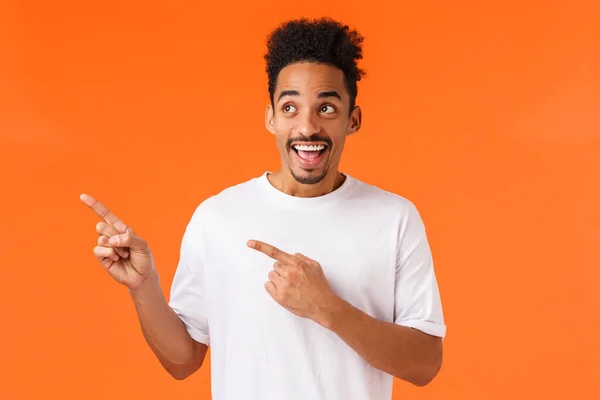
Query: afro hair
(322, 41)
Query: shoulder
(224, 201)
(384, 201)
(399, 212)
(389, 209)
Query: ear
(355, 121)
(269, 119)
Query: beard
(310, 179)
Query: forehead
(309, 78)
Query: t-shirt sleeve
(417, 297)
(188, 294)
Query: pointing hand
(297, 283)
(125, 256)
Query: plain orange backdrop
(485, 115)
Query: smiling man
(310, 140)
(306, 283)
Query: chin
(308, 177)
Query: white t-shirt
(373, 250)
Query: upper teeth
(302, 147)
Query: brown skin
(128, 260)
(298, 283)
(305, 115)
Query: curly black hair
(323, 41)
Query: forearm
(403, 352)
(163, 330)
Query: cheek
(282, 126)
(338, 146)
(337, 134)
(336, 128)
(281, 141)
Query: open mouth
(310, 156)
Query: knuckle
(100, 227)
(280, 296)
(273, 252)
(296, 280)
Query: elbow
(178, 375)
(422, 380)
(424, 375)
(180, 372)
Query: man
(306, 283)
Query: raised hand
(125, 256)
(297, 283)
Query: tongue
(308, 155)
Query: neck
(284, 181)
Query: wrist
(150, 284)
(330, 312)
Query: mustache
(312, 139)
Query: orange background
(486, 116)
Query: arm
(403, 352)
(165, 333)
(396, 347)
(410, 346)
(128, 259)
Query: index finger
(103, 212)
(271, 251)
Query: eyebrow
(321, 95)
(288, 93)
(331, 93)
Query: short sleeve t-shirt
(374, 251)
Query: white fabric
(374, 251)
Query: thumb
(129, 239)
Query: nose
(307, 124)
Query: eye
(327, 109)
(288, 108)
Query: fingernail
(114, 240)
